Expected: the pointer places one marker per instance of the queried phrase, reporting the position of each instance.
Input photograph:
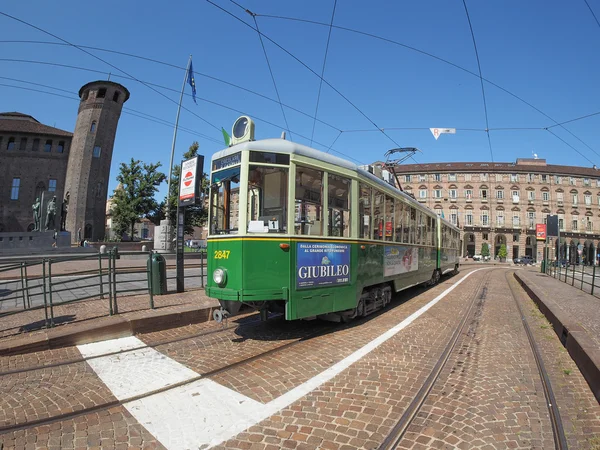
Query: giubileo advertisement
(322, 264)
(397, 260)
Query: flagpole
(187, 69)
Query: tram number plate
(222, 254)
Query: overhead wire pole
(168, 214)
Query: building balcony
(438, 200)
(452, 200)
(484, 200)
(545, 203)
(500, 200)
(469, 200)
(422, 200)
(515, 201)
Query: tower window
(85, 95)
(116, 97)
(14, 193)
(48, 146)
(11, 144)
(93, 127)
(97, 152)
(51, 185)
(101, 93)
(61, 147)
(23, 144)
(36, 145)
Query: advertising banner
(540, 231)
(189, 186)
(322, 264)
(397, 260)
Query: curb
(573, 337)
(116, 327)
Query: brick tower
(90, 157)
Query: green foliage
(502, 253)
(485, 249)
(195, 216)
(134, 199)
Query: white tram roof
(289, 147)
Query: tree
(485, 249)
(502, 253)
(196, 215)
(134, 199)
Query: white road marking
(203, 414)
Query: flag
(226, 137)
(443, 215)
(192, 81)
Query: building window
(116, 97)
(485, 219)
(514, 178)
(101, 93)
(531, 219)
(574, 199)
(499, 194)
(559, 197)
(588, 225)
(52, 185)
(468, 194)
(48, 146)
(451, 177)
(454, 218)
(515, 238)
(586, 181)
(557, 179)
(36, 145)
(484, 236)
(483, 194)
(544, 178)
(572, 181)
(437, 177)
(598, 182)
(588, 200)
(407, 178)
(97, 152)
(23, 144)
(423, 193)
(467, 177)
(516, 220)
(530, 177)
(546, 196)
(499, 177)
(500, 218)
(61, 147)
(452, 193)
(561, 223)
(11, 144)
(437, 193)
(515, 196)
(422, 177)
(484, 177)
(530, 195)
(14, 193)
(93, 127)
(574, 225)
(469, 219)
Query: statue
(36, 215)
(63, 212)
(51, 214)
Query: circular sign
(187, 180)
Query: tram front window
(267, 199)
(224, 201)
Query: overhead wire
(438, 58)
(592, 11)
(323, 71)
(487, 124)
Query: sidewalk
(575, 317)
(88, 321)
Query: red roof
(16, 122)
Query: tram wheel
(435, 278)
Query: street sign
(191, 175)
(437, 131)
(552, 226)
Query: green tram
(298, 231)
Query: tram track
(470, 320)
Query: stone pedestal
(162, 236)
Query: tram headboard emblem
(243, 130)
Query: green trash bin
(543, 266)
(157, 274)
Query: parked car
(476, 257)
(525, 260)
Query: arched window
(11, 144)
(87, 233)
(116, 97)
(93, 127)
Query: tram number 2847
(222, 254)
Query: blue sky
(543, 51)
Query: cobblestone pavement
(488, 396)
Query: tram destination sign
(227, 161)
(320, 264)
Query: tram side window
(421, 231)
(225, 194)
(413, 225)
(406, 225)
(389, 218)
(267, 199)
(431, 229)
(378, 214)
(309, 201)
(398, 219)
(339, 205)
(365, 211)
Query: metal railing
(105, 278)
(577, 275)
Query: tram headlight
(220, 277)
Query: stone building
(38, 160)
(500, 203)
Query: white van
(197, 243)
